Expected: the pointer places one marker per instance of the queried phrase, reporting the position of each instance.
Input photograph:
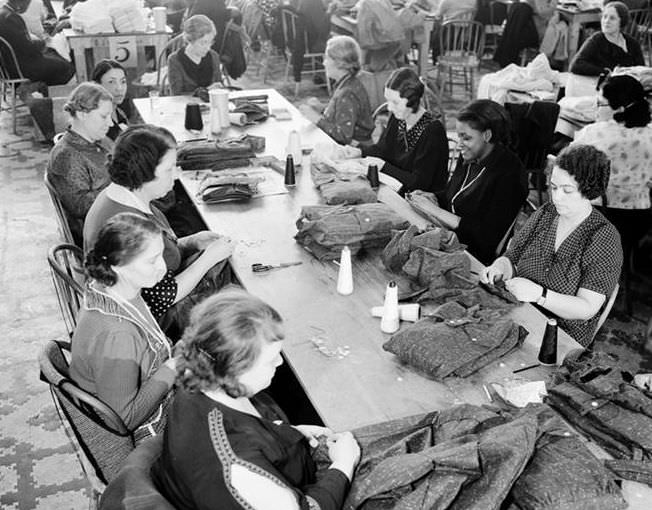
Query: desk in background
(132, 49)
(369, 385)
(575, 19)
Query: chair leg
(297, 84)
(13, 108)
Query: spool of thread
(193, 120)
(548, 350)
(290, 179)
(160, 15)
(410, 312)
(238, 119)
(345, 276)
(220, 99)
(216, 121)
(390, 321)
(294, 146)
(372, 176)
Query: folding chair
(66, 267)
(462, 45)
(98, 435)
(11, 77)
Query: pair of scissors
(263, 268)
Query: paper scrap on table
(238, 119)
(522, 394)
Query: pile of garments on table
(470, 457)
(342, 185)
(598, 397)
(218, 155)
(464, 326)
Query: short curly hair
(485, 114)
(627, 92)
(86, 97)
(138, 151)
(408, 85)
(589, 166)
(224, 339)
(345, 52)
(118, 242)
(621, 9)
(197, 26)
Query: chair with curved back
(98, 435)
(461, 45)
(640, 27)
(11, 77)
(62, 218)
(66, 266)
(134, 487)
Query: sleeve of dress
(68, 173)
(602, 261)
(162, 296)
(636, 52)
(588, 61)
(380, 148)
(342, 125)
(175, 75)
(119, 380)
(522, 238)
(429, 171)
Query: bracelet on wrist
(544, 294)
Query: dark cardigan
(598, 54)
(423, 167)
(488, 207)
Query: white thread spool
(390, 321)
(345, 276)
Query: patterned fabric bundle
(595, 394)
(470, 457)
(201, 155)
(342, 187)
(325, 230)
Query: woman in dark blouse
(112, 76)
(567, 257)
(196, 65)
(610, 47)
(487, 188)
(227, 445)
(413, 148)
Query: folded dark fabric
(442, 349)
(325, 230)
(635, 470)
(226, 193)
(199, 155)
(342, 188)
(430, 267)
(255, 112)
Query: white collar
(124, 196)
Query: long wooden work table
(368, 385)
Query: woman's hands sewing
(313, 432)
(523, 289)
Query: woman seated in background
(119, 353)
(413, 148)
(227, 444)
(112, 76)
(347, 116)
(567, 257)
(77, 163)
(624, 133)
(610, 47)
(488, 187)
(142, 169)
(196, 65)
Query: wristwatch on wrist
(542, 300)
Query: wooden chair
(174, 44)
(292, 29)
(62, 217)
(134, 487)
(640, 27)
(98, 435)
(462, 45)
(11, 77)
(67, 269)
(494, 29)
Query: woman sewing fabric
(483, 196)
(119, 352)
(196, 65)
(413, 148)
(112, 76)
(347, 116)
(567, 257)
(610, 47)
(226, 444)
(624, 133)
(77, 163)
(143, 169)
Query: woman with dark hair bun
(143, 169)
(113, 77)
(610, 47)
(119, 352)
(487, 188)
(567, 257)
(413, 149)
(227, 445)
(624, 133)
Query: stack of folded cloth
(200, 155)
(464, 326)
(215, 189)
(341, 186)
(596, 394)
(324, 230)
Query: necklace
(466, 186)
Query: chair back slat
(9, 65)
(66, 266)
(62, 218)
